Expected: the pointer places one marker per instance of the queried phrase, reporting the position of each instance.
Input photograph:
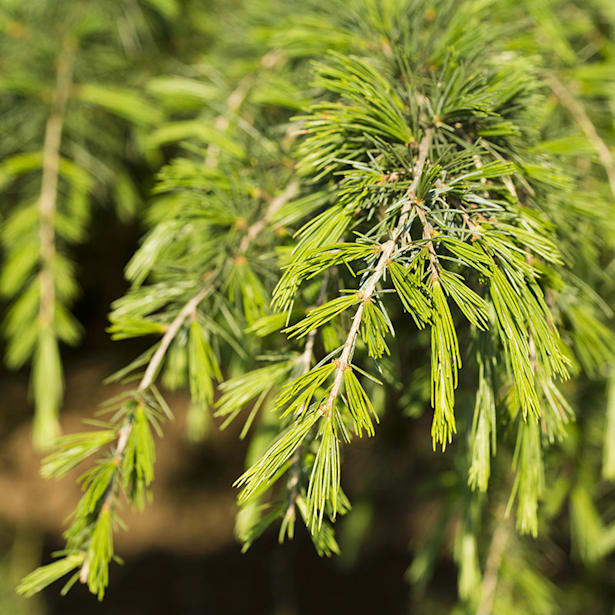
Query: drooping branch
(146, 381)
(367, 292)
(210, 281)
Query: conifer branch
(45, 423)
(587, 126)
(189, 308)
(144, 384)
(343, 363)
(438, 212)
(210, 284)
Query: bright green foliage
(203, 365)
(238, 392)
(374, 328)
(359, 405)
(72, 449)
(412, 294)
(325, 477)
(45, 575)
(298, 395)
(320, 218)
(322, 315)
(130, 465)
(139, 458)
(276, 460)
(100, 554)
(445, 363)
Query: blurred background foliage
(95, 98)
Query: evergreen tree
(371, 194)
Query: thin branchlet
(49, 183)
(257, 228)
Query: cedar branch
(366, 293)
(187, 310)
